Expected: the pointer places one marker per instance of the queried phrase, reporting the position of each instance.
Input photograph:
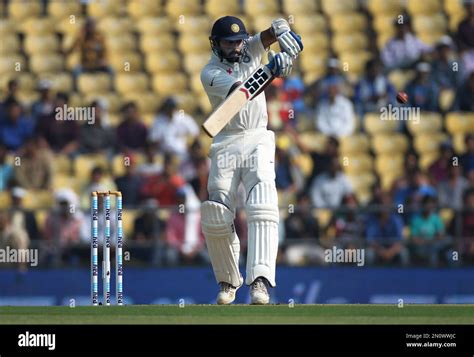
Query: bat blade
(248, 90)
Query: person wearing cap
(442, 67)
(44, 106)
(404, 49)
(422, 90)
(172, 128)
(245, 139)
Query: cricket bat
(248, 90)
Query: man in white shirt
(335, 115)
(172, 129)
(244, 151)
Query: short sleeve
(255, 47)
(217, 82)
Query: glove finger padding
(290, 43)
(282, 63)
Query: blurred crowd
(166, 166)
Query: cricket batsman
(244, 152)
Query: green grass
(240, 314)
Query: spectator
(15, 128)
(328, 189)
(173, 128)
(302, 234)
(346, 225)
(443, 66)
(439, 169)
(373, 91)
(62, 136)
(147, 230)
(6, 169)
(199, 182)
(404, 49)
(93, 51)
(11, 95)
(34, 171)
(451, 190)
(129, 184)
(319, 90)
(63, 228)
(22, 218)
(164, 186)
(12, 236)
(335, 115)
(151, 166)
(467, 159)
(279, 107)
(188, 167)
(99, 181)
(94, 136)
(422, 90)
(44, 106)
(464, 100)
(131, 133)
(427, 232)
(385, 235)
(286, 174)
(465, 37)
(467, 227)
(183, 230)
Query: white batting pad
(222, 242)
(262, 218)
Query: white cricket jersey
(218, 77)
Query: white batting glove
(288, 40)
(280, 64)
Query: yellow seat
(94, 83)
(194, 25)
(219, 8)
(37, 26)
(66, 181)
(153, 43)
(41, 44)
(177, 8)
(40, 216)
(204, 104)
(189, 43)
(460, 123)
(427, 159)
(196, 84)
(68, 27)
(35, 199)
(446, 99)
(310, 62)
(100, 9)
(349, 42)
(384, 23)
(454, 21)
(389, 163)
(60, 82)
(314, 141)
(162, 62)
(389, 143)
(120, 162)
(385, 7)
(400, 78)
(186, 102)
(336, 7)
(156, 26)
(111, 100)
(348, 22)
(61, 165)
(323, 216)
(373, 124)
(131, 83)
(427, 123)
(357, 163)
(387, 179)
(355, 61)
(300, 6)
(447, 215)
(46, 63)
(5, 200)
(170, 83)
(423, 7)
(11, 64)
(430, 24)
(26, 80)
(128, 223)
(357, 143)
(262, 22)
(195, 63)
(429, 142)
(7, 27)
(60, 9)
(308, 24)
(19, 9)
(124, 42)
(83, 164)
(10, 44)
(459, 143)
(147, 102)
(131, 59)
(362, 181)
(316, 44)
(115, 26)
(142, 8)
(260, 7)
